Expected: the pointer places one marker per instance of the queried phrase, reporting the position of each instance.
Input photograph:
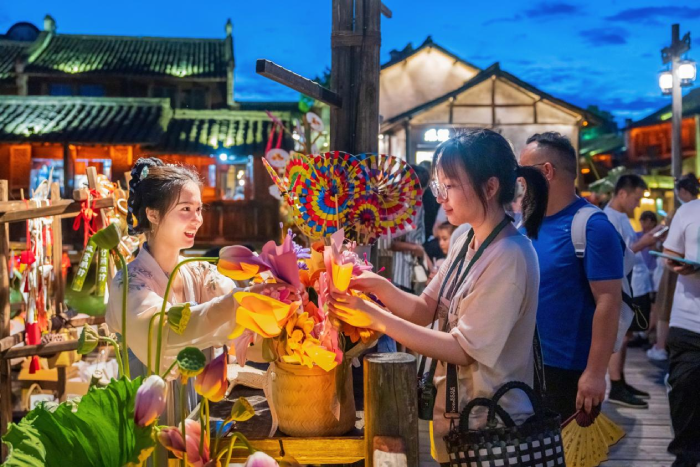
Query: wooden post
(5, 380)
(391, 402)
(57, 252)
(355, 75)
(68, 171)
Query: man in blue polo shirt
(579, 299)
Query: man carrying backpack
(629, 191)
(580, 297)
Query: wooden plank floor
(648, 431)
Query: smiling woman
(165, 204)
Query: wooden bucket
(304, 399)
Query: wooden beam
(15, 211)
(41, 350)
(337, 450)
(297, 82)
(386, 11)
(57, 252)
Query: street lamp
(666, 82)
(681, 73)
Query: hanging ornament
(277, 157)
(315, 122)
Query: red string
(87, 216)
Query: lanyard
(451, 380)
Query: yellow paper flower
(261, 314)
(237, 272)
(342, 273)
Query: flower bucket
(305, 398)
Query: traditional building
(73, 101)
(428, 92)
(648, 140)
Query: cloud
(548, 9)
(503, 20)
(599, 37)
(651, 15)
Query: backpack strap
(578, 228)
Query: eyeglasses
(440, 190)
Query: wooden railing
(239, 221)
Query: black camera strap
(452, 379)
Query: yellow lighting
(647, 194)
(585, 123)
(585, 170)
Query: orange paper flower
(261, 314)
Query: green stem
(202, 418)
(165, 302)
(245, 441)
(230, 450)
(170, 368)
(125, 292)
(116, 353)
(206, 408)
(150, 343)
(183, 390)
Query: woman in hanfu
(165, 204)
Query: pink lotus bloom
(150, 400)
(329, 340)
(212, 382)
(260, 459)
(283, 261)
(171, 439)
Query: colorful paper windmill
(365, 221)
(398, 191)
(325, 192)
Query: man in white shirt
(629, 191)
(684, 336)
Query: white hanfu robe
(212, 320)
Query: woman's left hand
(356, 311)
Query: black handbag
(535, 443)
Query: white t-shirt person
(684, 238)
(492, 317)
(641, 278)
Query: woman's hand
(369, 281)
(356, 311)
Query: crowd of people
(581, 267)
(506, 259)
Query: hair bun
(137, 174)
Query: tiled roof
(213, 131)
(82, 120)
(9, 52)
(691, 106)
(493, 70)
(123, 55)
(398, 56)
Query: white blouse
(209, 292)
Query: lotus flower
(178, 317)
(150, 400)
(260, 459)
(171, 439)
(239, 263)
(261, 314)
(88, 340)
(212, 382)
(107, 238)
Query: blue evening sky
(603, 52)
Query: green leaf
(100, 431)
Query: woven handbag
(535, 443)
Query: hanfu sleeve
(210, 323)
